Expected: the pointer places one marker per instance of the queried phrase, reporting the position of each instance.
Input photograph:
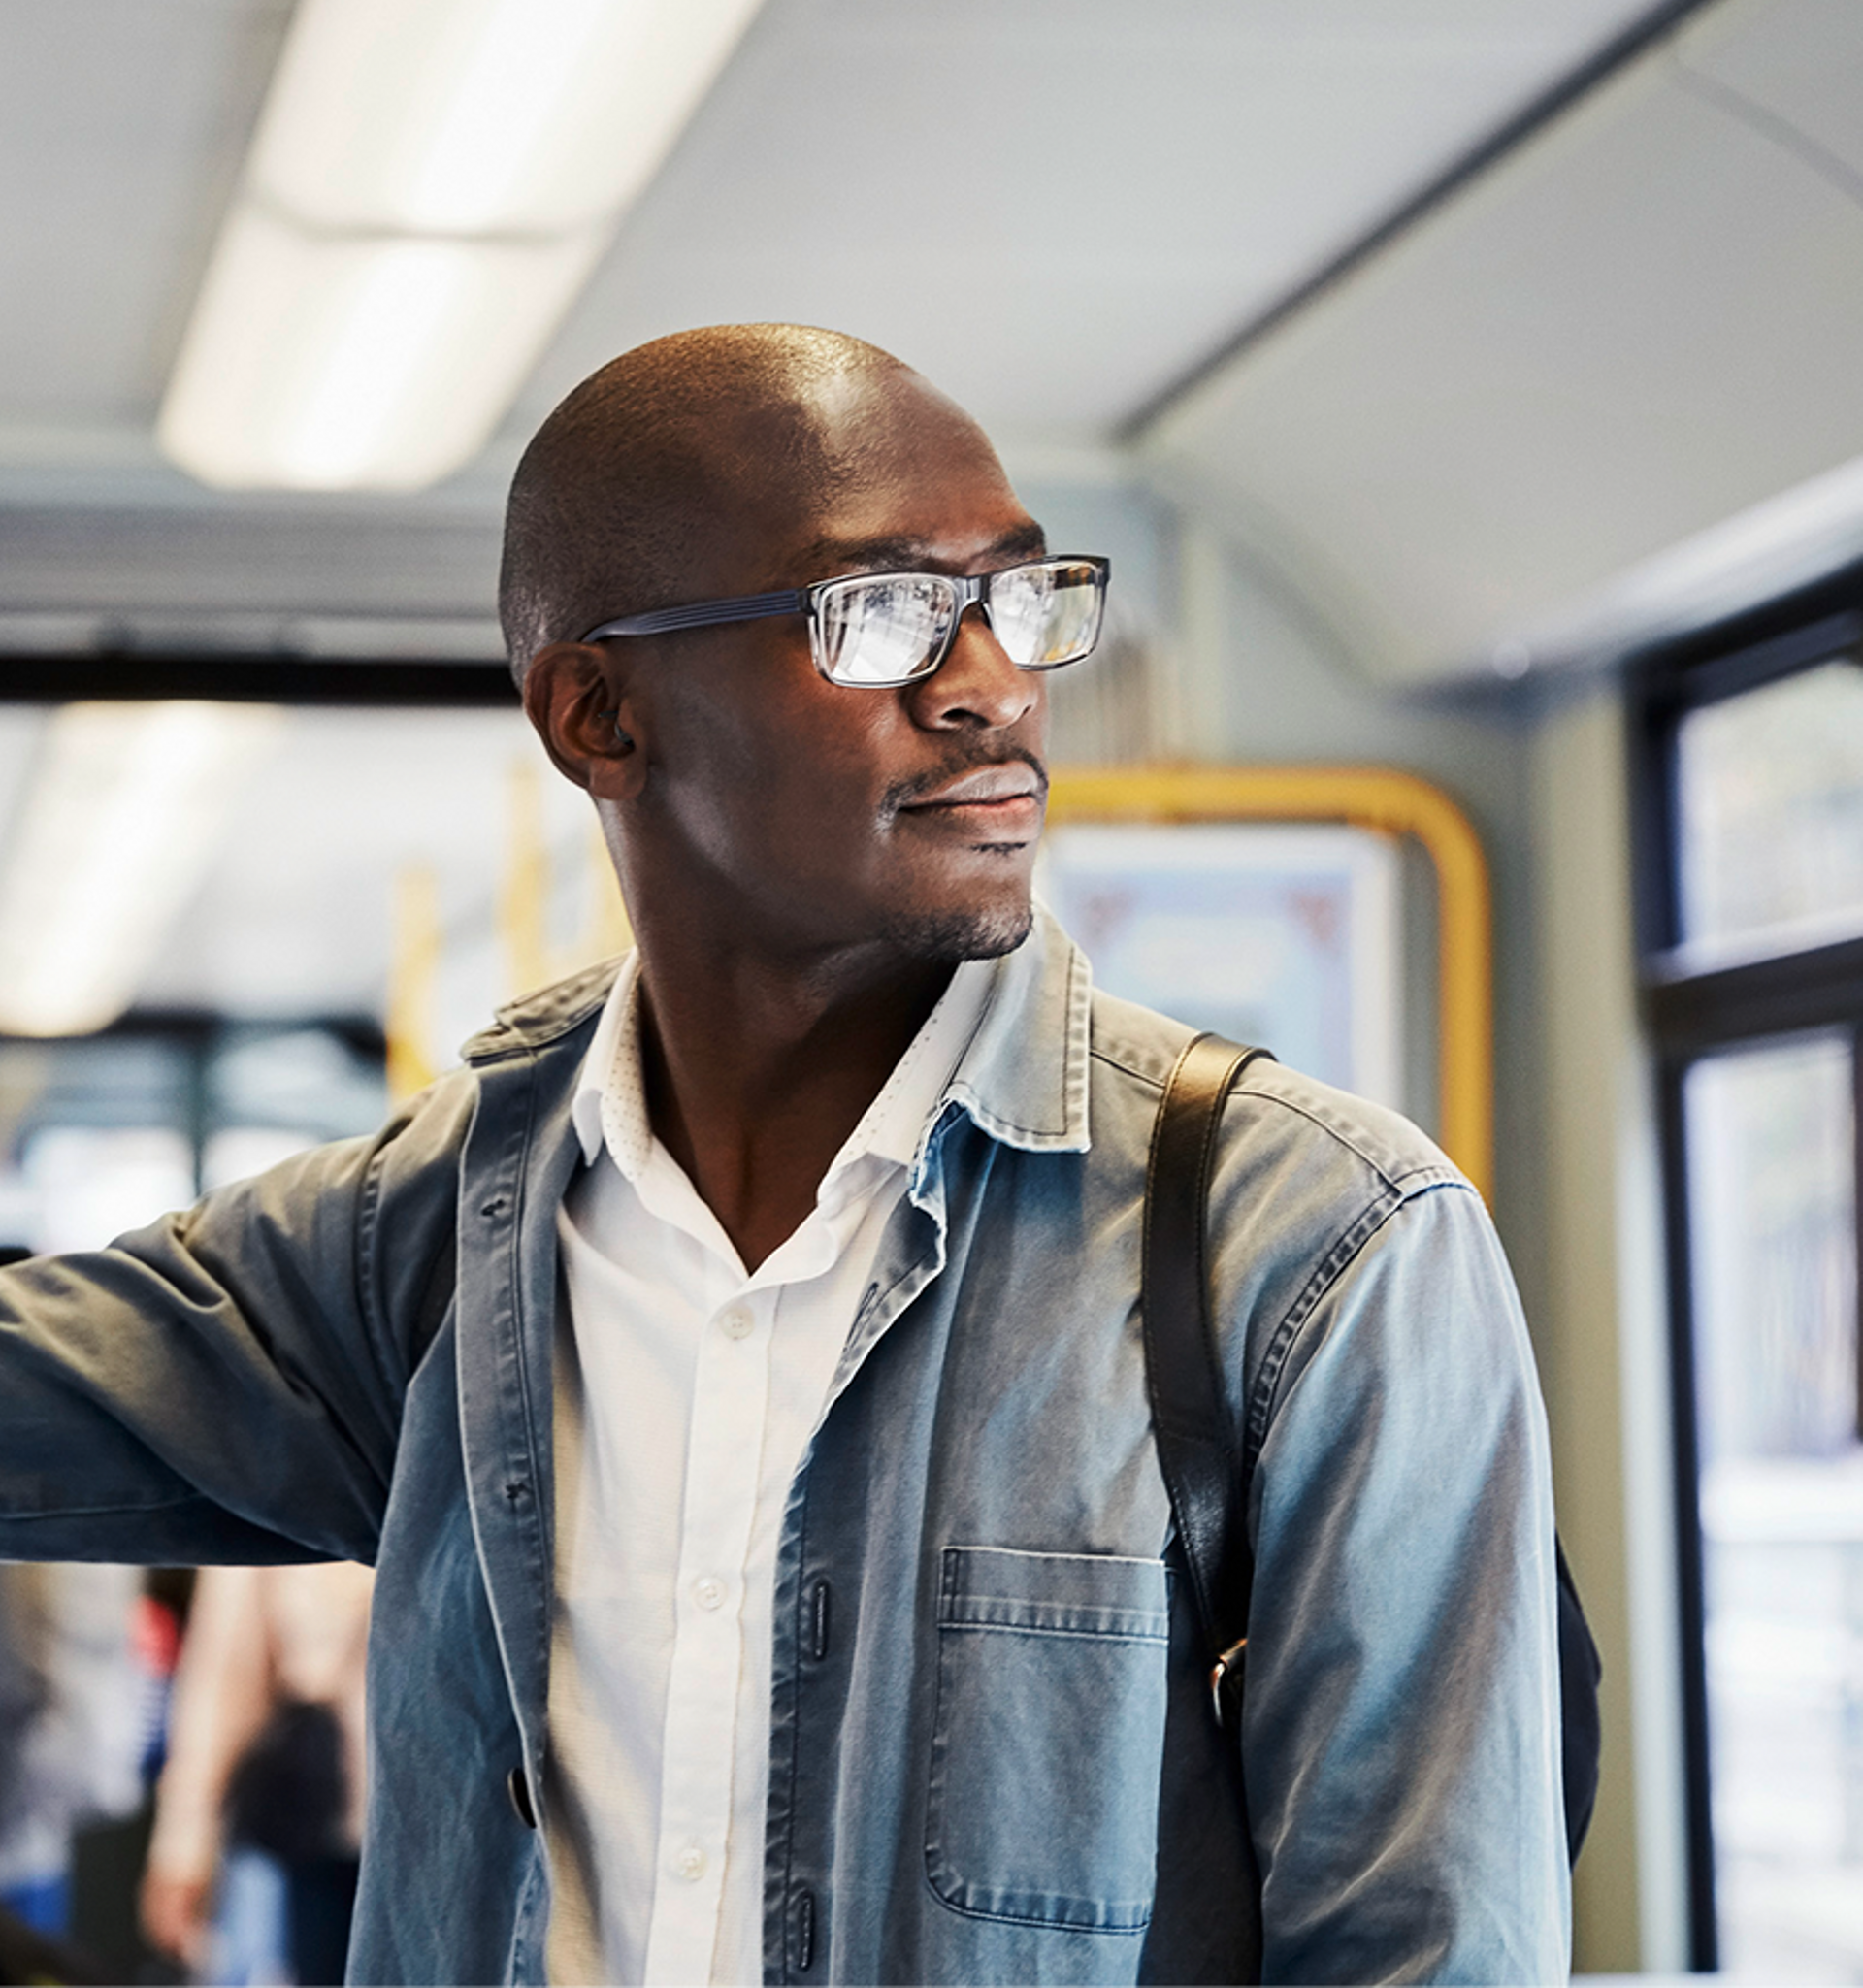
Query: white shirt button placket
(722, 1460)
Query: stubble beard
(981, 933)
(947, 937)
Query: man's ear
(576, 698)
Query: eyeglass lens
(1045, 614)
(884, 630)
(891, 628)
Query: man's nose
(976, 684)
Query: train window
(1752, 915)
(1769, 788)
(1770, 1136)
(101, 1133)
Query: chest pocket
(1049, 1737)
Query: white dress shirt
(686, 1393)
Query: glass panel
(91, 1182)
(99, 1134)
(407, 868)
(1771, 1214)
(1769, 792)
(881, 631)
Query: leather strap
(1197, 1447)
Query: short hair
(602, 511)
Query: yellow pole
(523, 904)
(608, 930)
(412, 965)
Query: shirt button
(737, 1323)
(708, 1591)
(690, 1863)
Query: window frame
(1690, 1012)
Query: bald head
(752, 805)
(632, 484)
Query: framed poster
(1288, 935)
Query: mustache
(905, 793)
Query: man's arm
(1401, 1719)
(226, 1384)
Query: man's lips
(1000, 804)
(988, 787)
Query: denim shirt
(991, 1756)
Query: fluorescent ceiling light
(483, 116)
(432, 182)
(126, 805)
(332, 363)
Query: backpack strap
(1195, 1444)
(1196, 1449)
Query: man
(733, 1370)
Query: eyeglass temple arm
(664, 621)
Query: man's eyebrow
(830, 556)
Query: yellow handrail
(412, 964)
(1380, 798)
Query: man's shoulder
(1280, 1125)
(427, 1131)
(1307, 1180)
(535, 1021)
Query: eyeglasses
(876, 631)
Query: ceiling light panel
(125, 810)
(335, 362)
(432, 182)
(483, 116)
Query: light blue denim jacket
(991, 1758)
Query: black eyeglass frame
(968, 589)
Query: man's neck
(755, 1073)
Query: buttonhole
(805, 1932)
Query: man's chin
(976, 932)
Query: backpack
(1195, 1444)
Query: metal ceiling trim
(1660, 22)
(267, 680)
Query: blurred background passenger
(252, 1871)
(72, 1706)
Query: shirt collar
(609, 1106)
(1023, 1078)
(893, 1124)
(606, 1070)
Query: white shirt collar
(609, 1108)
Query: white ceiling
(125, 124)
(1054, 206)
(1640, 329)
